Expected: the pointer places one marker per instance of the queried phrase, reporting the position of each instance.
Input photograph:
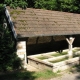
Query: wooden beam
(10, 23)
(70, 42)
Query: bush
(16, 3)
(8, 57)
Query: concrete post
(70, 42)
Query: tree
(61, 5)
(69, 6)
(30, 3)
(46, 4)
(16, 3)
(8, 57)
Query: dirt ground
(31, 68)
(66, 75)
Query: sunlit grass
(75, 50)
(59, 54)
(42, 57)
(59, 60)
(45, 74)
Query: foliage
(1, 8)
(8, 58)
(46, 4)
(70, 5)
(31, 3)
(16, 3)
(61, 5)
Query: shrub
(8, 57)
(16, 3)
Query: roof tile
(38, 22)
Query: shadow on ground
(17, 75)
(76, 70)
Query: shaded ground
(68, 76)
(17, 75)
(72, 74)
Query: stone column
(70, 42)
(21, 52)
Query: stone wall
(21, 51)
(38, 45)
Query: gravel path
(68, 76)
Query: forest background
(60, 5)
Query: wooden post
(70, 42)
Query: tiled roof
(38, 22)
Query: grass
(59, 54)
(59, 60)
(56, 55)
(46, 74)
(26, 75)
(42, 57)
(75, 50)
(76, 55)
(66, 58)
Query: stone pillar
(70, 42)
(21, 52)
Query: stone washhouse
(39, 31)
